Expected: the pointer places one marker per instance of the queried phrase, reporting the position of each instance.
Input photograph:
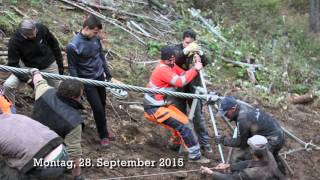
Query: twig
(19, 12)
(114, 110)
(140, 28)
(120, 11)
(66, 7)
(138, 32)
(109, 20)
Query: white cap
(257, 142)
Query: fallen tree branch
(19, 12)
(101, 16)
(303, 99)
(66, 7)
(119, 11)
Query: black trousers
(96, 97)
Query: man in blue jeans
(86, 60)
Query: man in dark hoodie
(36, 47)
(86, 60)
(185, 52)
(251, 121)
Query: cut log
(303, 99)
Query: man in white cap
(262, 165)
(36, 47)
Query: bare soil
(138, 139)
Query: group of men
(54, 132)
(179, 70)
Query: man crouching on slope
(168, 76)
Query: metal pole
(213, 121)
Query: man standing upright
(86, 60)
(185, 53)
(36, 47)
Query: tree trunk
(313, 16)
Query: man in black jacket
(86, 60)
(185, 53)
(36, 47)
(251, 121)
(60, 111)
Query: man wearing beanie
(168, 76)
(262, 165)
(36, 47)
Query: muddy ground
(139, 139)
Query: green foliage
(5, 24)
(299, 89)
(258, 5)
(154, 48)
(34, 2)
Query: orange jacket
(167, 78)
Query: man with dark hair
(36, 47)
(23, 143)
(59, 110)
(185, 60)
(251, 121)
(168, 76)
(86, 60)
(261, 166)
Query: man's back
(253, 121)
(22, 139)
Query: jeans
(12, 82)
(51, 172)
(198, 121)
(96, 97)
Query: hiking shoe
(201, 160)
(111, 136)
(207, 152)
(105, 142)
(119, 93)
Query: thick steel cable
(109, 84)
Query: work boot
(105, 142)
(111, 136)
(207, 152)
(200, 160)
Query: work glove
(219, 139)
(192, 48)
(212, 98)
(33, 71)
(198, 66)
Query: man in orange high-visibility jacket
(168, 76)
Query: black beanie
(167, 52)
